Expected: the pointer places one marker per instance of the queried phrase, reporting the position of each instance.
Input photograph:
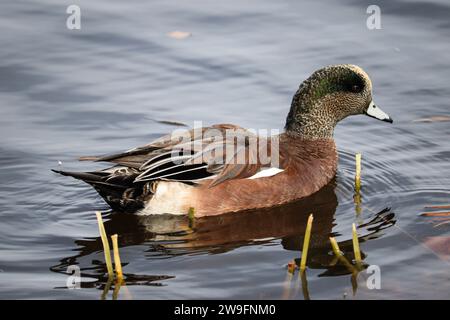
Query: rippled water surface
(105, 87)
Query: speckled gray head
(329, 95)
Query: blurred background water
(106, 87)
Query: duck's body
(209, 170)
(306, 166)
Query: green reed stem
(105, 243)
(306, 243)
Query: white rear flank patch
(266, 173)
(170, 197)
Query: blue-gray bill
(375, 112)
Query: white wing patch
(266, 173)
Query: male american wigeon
(197, 169)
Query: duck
(225, 168)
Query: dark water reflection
(121, 81)
(169, 235)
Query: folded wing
(216, 154)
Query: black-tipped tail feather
(85, 176)
(117, 190)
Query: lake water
(107, 87)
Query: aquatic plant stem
(356, 245)
(116, 290)
(106, 288)
(291, 266)
(105, 243)
(341, 256)
(335, 247)
(347, 264)
(304, 282)
(288, 281)
(306, 243)
(117, 262)
(191, 217)
(358, 172)
(357, 195)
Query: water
(68, 93)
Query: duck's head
(329, 95)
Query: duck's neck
(308, 120)
(310, 126)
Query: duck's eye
(356, 88)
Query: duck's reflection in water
(176, 235)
